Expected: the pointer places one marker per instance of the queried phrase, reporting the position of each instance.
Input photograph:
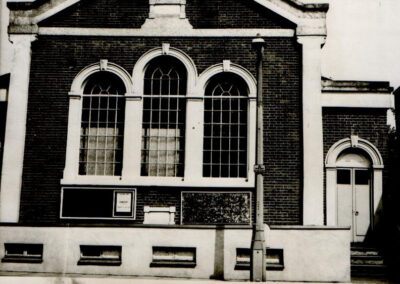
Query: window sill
(158, 181)
(278, 267)
(178, 264)
(22, 259)
(104, 262)
(246, 266)
(242, 266)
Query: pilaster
(313, 166)
(71, 169)
(14, 144)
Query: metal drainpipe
(257, 264)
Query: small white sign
(123, 203)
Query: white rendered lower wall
(312, 253)
(309, 255)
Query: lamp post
(257, 270)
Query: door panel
(362, 202)
(344, 197)
(345, 205)
(354, 201)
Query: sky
(363, 41)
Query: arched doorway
(353, 185)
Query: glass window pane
(362, 177)
(225, 126)
(343, 176)
(102, 125)
(165, 82)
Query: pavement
(37, 278)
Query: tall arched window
(225, 127)
(102, 126)
(163, 129)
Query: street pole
(257, 271)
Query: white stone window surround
(71, 171)
(133, 125)
(353, 142)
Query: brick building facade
(134, 120)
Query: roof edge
(349, 86)
(320, 7)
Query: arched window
(225, 127)
(102, 125)
(163, 129)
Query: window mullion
(194, 139)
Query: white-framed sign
(124, 203)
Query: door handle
(356, 213)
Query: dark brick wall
(201, 14)
(232, 14)
(57, 60)
(369, 124)
(101, 13)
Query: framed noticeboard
(102, 203)
(124, 203)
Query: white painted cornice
(358, 100)
(120, 32)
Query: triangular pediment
(216, 14)
(200, 14)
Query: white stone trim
(54, 10)
(159, 215)
(141, 64)
(340, 146)
(313, 156)
(131, 180)
(330, 165)
(3, 95)
(171, 32)
(132, 138)
(194, 130)
(307, 23)
(391, 119)
(14, 144)
(167, 15)
(206, 75)
(358, 100)
(71, 170)
(79, 80)
(285, 10)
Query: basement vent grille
(100, 255)
(23, 253)
(184, 257)
(273, 259)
